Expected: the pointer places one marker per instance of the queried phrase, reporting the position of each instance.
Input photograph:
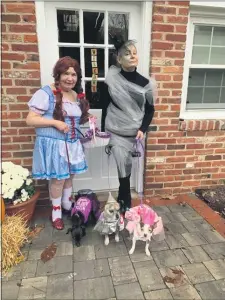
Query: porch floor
(188, 264)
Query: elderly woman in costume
(55, 112)
(127, 113)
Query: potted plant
(18, 191)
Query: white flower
(28, 181)
(9, 194)
(6, 179)
(7, 165)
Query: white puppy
(141, 233)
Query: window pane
(93, 27)
(69, 51)
(196, 77)
(194, 95)
(200, 55)
(211, 95)
(218, 36)
(68, 26)
(89, 65)
(118, 25)
(217, 56)
(113, 58)
(214, 78)
(95, 99)
(202, 35)
(222, 98)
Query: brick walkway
(189, 264)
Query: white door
(74, 29)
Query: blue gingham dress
(50, 157)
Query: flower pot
(26, 209)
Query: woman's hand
(140, 135)
(61, 126)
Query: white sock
(66, 203)
(56, 209)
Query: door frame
(145, 43)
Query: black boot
(124, 196)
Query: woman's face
(68, 79)
(128, 59)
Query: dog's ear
(117, 206)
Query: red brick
(18, 107)
(153, 185)
(218, 163)
(175, 108)
(24, 47)
(160, 77)
(165, 167)
(27, 66)
(8, 115)
(192, 171)
(6, 139)
(165, 153)
(169, 114)
(21, 28)
(6, 82)
(18, 124)
(174, 54)
(173, 184)
(176, 37)
(183, 11)
(22, 154)
(175, 147)
(163, 93)
(210, 170)
(156, 147)
(164, 178)
(10, 18)
(27, 146)
(156, 53)
(220, 150)
(168, 128)
(172, 85)
(173, 172)
(192, 158)
(204, 152)
(181, 28)
(166, 141)
(31, 38)
(163, 28)
(183, 177)
(28, 82)
(175, 159)
(214, 145)
(26, 131)
(177, 19)
(16, 91)
(173, 69)
(195, 146)
(164, 10)
(10, 147)
(3, 27)
(13, 56)
(192, 183)
(180, 166)
(179, 3)
(29, 18)
(6, 154)
(20, 7)
(6, 65)
(213, 157)
(162, 45)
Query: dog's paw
(148, 252)
(117, 238)
(106, 241)
(131, 251)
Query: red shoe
(58, 224)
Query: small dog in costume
(143, 225)
(110, 220)
(84, 208)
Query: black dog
(78, 229)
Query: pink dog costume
(146, 215)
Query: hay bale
(14, 235)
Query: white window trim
(199, 15)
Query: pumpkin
(2, 210)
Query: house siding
(181, 155)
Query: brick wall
(20, 79)
(181, 155)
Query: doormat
(214, 197)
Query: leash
(138, 155)
(108, 152)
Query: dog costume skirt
(109, 226)
(50, 154)
(146, 215)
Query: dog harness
(83, 205)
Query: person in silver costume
(128, 110)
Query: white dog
(110, 220)
(143, 224)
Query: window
(79, 33)
(204, 71)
